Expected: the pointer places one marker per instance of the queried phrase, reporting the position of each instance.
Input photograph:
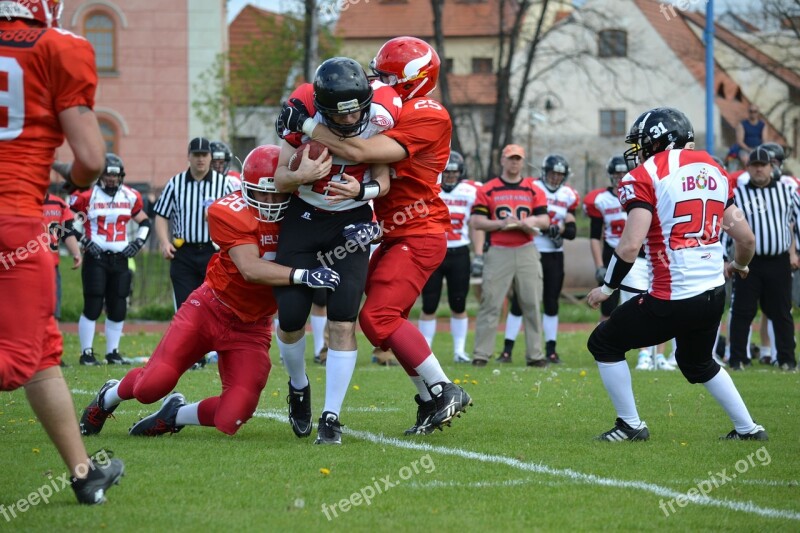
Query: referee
(183, 203)
(771, 208)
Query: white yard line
(568, 473)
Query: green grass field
(521, 459)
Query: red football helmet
(46, 12)
(258, 176)
(409, 65)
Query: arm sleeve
(596, 228)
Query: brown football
(314, 151)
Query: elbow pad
(570, 231)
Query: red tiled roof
(383, 19)
(471, 89)
(748, 50)
(691, 51)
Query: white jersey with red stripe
(384, 113)
(107, 217)
(604, 204)
(565, 199)
(688, 194)
(459, 202)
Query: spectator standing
(562, 202)
(108, 207)
(771, 207)
(678, 201)
(513, 210)
(459, 195)
(49, 82)
(184, 203)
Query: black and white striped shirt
(184, 201)
(770, 211)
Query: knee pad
(375, 327)
(155, 382)
(116, 309)
(699, 371)
(601, 350)
(551, 307)
(92, 307)
(236, 406)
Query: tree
(444, 86)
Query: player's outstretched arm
(256, 270)
(376, 149)
(82, 131)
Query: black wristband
(570, 231)
(618, 268)
(368, 191)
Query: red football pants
(203, 324)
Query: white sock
(318, 330)
(550, 327)
(113, 334)
(294, 358)
(721, 387)
(187, 415)
(338, 370)
(617, 381)
(428, 330)
(767, 350)
(86, 332)
(458, 328)
(111, 398)
(419, 383)
(513, 325)
(431, 371)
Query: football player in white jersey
(562, 202)
(322, 227)
(678, 202)
(108, 207)
(459, 195)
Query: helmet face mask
(221, 157)
(113, 175)
(343, 95)
(454, 172)
(45, 12)
(555, 171)
(258, 184)
(408, 64)
(657, 130)
(616, 168)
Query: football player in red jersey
(413, 218)
(231, 312)
(47, 82)
(318, 230)
(679, 227)
(108, 208)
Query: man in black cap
(182, 205)
(771, 207)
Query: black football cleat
(162, 421)
(451, 400)
(96, 414)
(622, 431)
(91, 490)
(425, 411)
(329, 430)
(299, 401)
(758, 433)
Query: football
(315, 150)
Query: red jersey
(56, 216)
(231, 223)
(498, 199)
(42, 73)
(413, 205)
(383, 114)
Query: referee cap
(199, 145)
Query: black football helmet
(341, 87)
(453, 172)
(552, 165)
(616, 166)
(776, 156)
(656, 130)
(221, 157)
(113, 174)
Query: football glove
(476, 268)
(321, 278)
(133, 248)
(91, 248)
(600, 275)
(362, 233)
(292, 117)
(554, 232)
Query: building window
(482, 65)
(613, 43)
(110, 137)
(100, 30)
(448, 65)
(487, 118)
(612, 122)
